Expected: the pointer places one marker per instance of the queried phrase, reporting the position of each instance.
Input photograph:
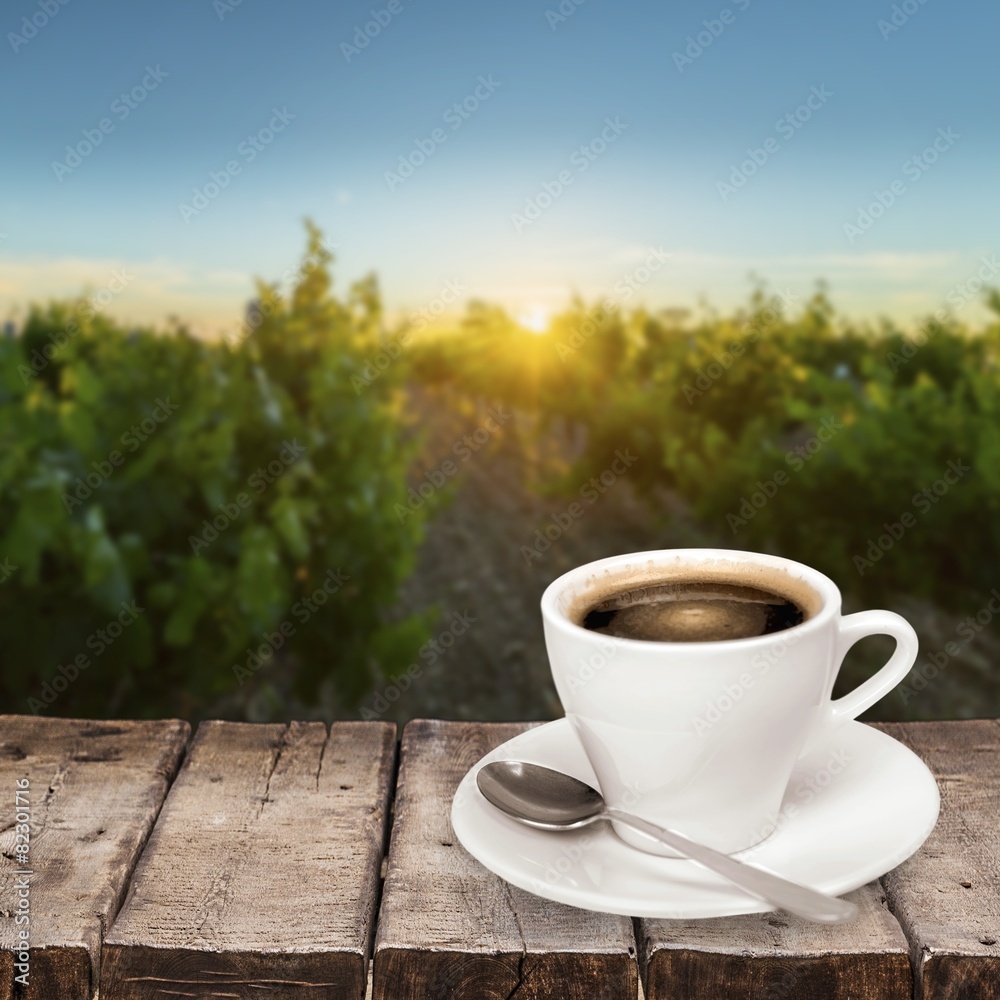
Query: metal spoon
(551, 800)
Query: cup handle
(852, 628)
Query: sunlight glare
(535, 319)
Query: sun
(535, 319)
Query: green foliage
(850, 424)
(226, 490)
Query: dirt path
(485, 556)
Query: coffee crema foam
(695, 603)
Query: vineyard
(187, 522)
(291, 518)
(783, 432)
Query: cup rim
(828, 591)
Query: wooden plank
(261, 876)
(775, 956)
(947, 896)
(449, 929)
(94, 791)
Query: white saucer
(835, 834)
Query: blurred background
(333, 333)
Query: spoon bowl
(539, 796)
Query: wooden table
(297, 861)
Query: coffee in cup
(692, 611)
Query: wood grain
(261, 876)
(95, 791)
(775, 956)
(449, 929)
(947, 896)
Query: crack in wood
(282, 746)
(55, 786)
(216, 898)
(524, 944)
(257, 983)
(322, 754)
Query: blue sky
(660, 179)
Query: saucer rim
(738, 903)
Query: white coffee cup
(702, 737)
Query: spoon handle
(782, 893)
